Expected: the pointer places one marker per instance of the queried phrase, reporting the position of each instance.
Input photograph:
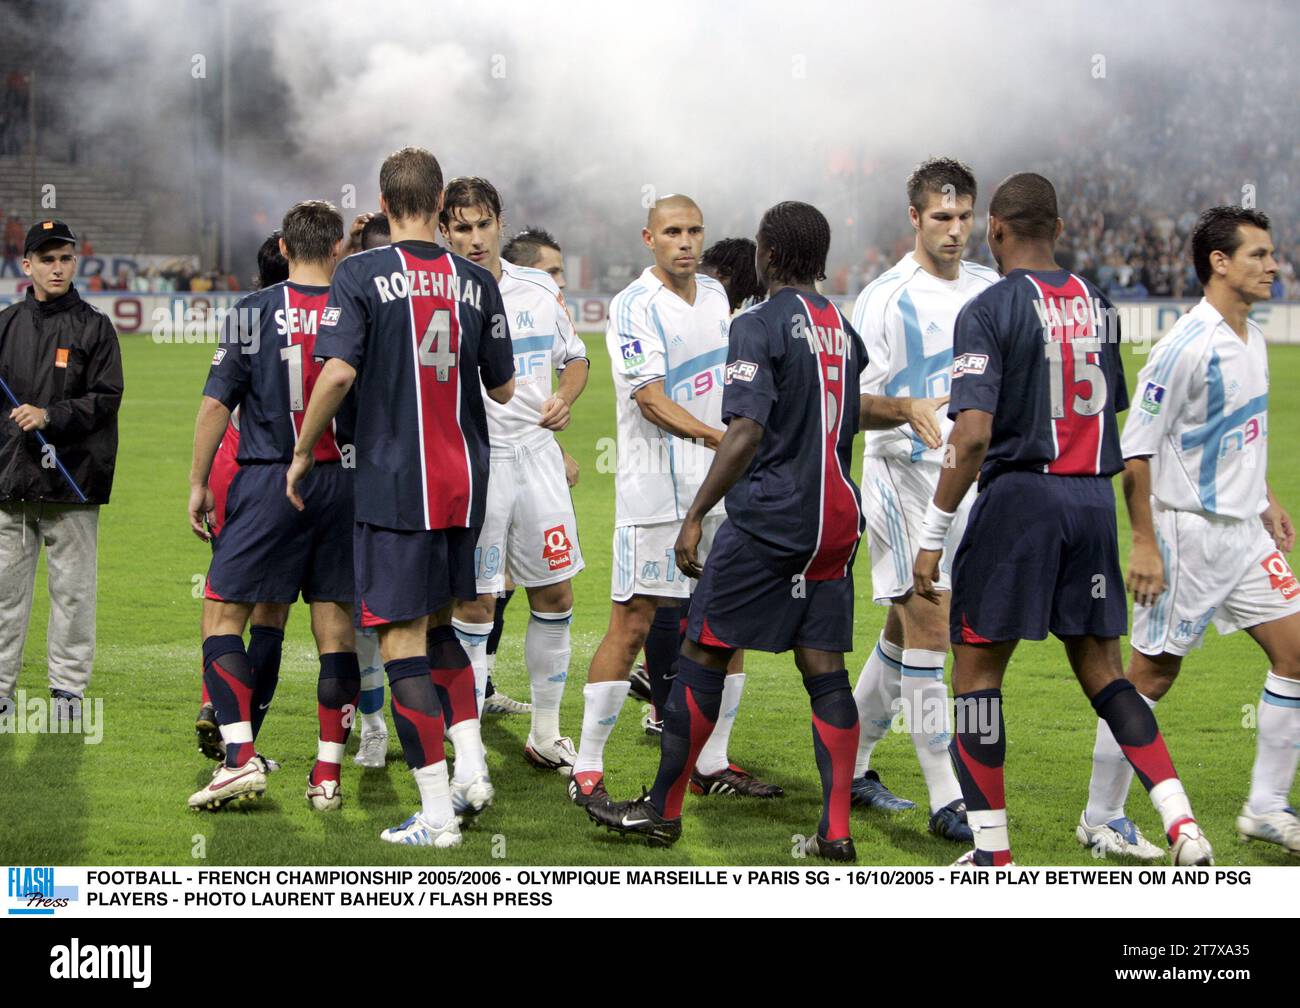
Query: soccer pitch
(122, 801)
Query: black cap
(45, 231)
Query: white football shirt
(543, 339)
(653, 335)
(1201, 414)
(905, 318)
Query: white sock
(1171, 802)
(876, 690)
(471, 757)
(1275, 749)
(490, 662)
(601, 703)
(713, 757)
(372, 684)
(1112, 775)
(924, 696)
(435, 793)
(473, 637)
(990, 829)
(546, 655)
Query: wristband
(934, 527)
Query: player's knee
(477, 611)
(555, 598)
(1288, 666)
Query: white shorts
(895, 496)
(645, 562)
(1224, 570)
(528, 525)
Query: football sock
(835, 740)
(877, 688)
(689, 716)
(979, 751)
(601, 702)
(1133, 724)
(265, 644)
(924, 697)
(546, 655)
(435, 793)
(473, 637)
(1275, 752)
(372, 683)
(336, 699)
(498, 623)
(1112, 774)
(230, 679)
(450, 671)
(713, 757)
(417, 715)
(204, 699)
(662, 645)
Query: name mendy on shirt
(821, 340)
(403, 283)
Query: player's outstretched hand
(354, 233)
(555, 415)
(571, 469)
(298, 470)
(687, 547)
(925, 569)
(1146, 573)
(925, 419)
(202, 504)
(1279, 526)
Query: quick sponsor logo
(557, 551)
(1280, 576)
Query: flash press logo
(76, 961)
(32, 893)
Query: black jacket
(61, 355)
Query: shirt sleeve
(750, 389)
(637, 351)
(1164, 386)
(230, 375)
(976, 361)
(343, 323)
(496, 356)
(568, 344)
(870, 325)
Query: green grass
(123, 801)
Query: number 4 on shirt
(435, 345)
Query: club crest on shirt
(1152, 398)
(633, 355)
(524, 320)
(969, 363)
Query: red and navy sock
(265, 645)
(337, 691)
(835, 745)
(417, 714)
(230, 680)
(979, 753)
(662, 646)
(689, 715)
(204, 699)
(452, 674)
(1134, 726)
(498, 622)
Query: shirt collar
(63, 302)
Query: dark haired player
(1037, 382)
(730, 261)
(267, 623)
(267, 552)
(414, 327)
(529, 526)
(779, 575)
(1209, 536)
(906, 320)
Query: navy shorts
(748, 598)
(269, 551)
(403, 575)
(1040, 554)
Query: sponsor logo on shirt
(219, 356)
(61, 357)
(330, 316)
(633, 355)
(741, 370)
(1280, 577)
(969, 363)
(1153, 397)
(557, 551)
